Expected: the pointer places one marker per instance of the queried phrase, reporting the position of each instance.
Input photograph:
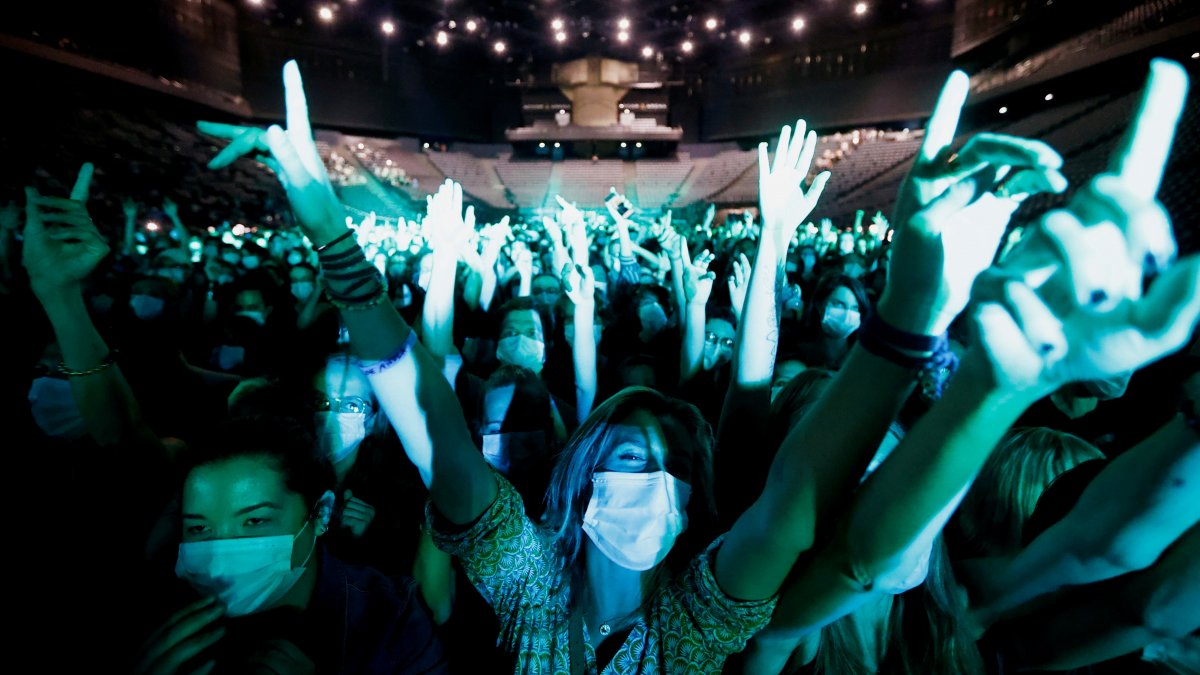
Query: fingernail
(1046, 348)
(1150, 263)
(1098, 297)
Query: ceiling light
(647, 51)
(453, 25)
(325, 13)
(638, 144)
(1003, 109)
(798, 24)
(623, 36)
(471, 25)
(442, 38)
(711, 24)
(560, 36)
(557, 24)
(558, 145)
(541, 145)
(387, 27)
(860, 8)
(686, 46)
(624, 144)
(744, 37)
(1049, 97)
(499, 47)
(623, 24)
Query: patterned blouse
(691, 626)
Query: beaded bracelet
(380, 366)
(107, 363)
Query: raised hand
(129, 208)
(952, 213)
(709, 215)
(522, 260)
(494, 237)
(697, 280)
(739, 283)
(783, 201)
(292, 155)
(1062, 306)
(170, 208)
(575, 227)
(447, 227)
(579, 283)
(62, 245)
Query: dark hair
(530, 408)
(522, 304)
(825, 288)
(283, 442)
(571, 483)
(722, 314)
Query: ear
(324, 512)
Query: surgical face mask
(634, 518)
(340, 433)
(246, 574)
(146, 307)
(840, 322)
(653, 317)
(54, 409)
(303, 290)
(257, 317)
(523, 351)
(250, 262)
(230, 356)
(512, 450)
(295, 257)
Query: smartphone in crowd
(619, 203)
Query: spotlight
(1003, 110)
(1049, 97)
(499, 47)
(387, 27)
(325, 13)
(1196, 55)
(560, 36)
(797, 24)
(541, 145)
(860, 8)
(557, 144)
(711, 23)
(471, 25)
(624, 144)
(453, 25)
(623, 24)
(256, 3)
(442, 38)
(152, 226)
(647, 51)
(623, 36)
(425, 146)
(557, 24)
(638, 144)
(744, 37)
(686, 46)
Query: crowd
(626, 442)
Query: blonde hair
(994, 511)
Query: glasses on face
(714, 339)
(350, 404)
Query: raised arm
(408, 382)
(62, 247)
(819, 464)
(448, 231)
(697, 287)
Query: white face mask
(54, 410)
(840, 322)
(634, 518)
(523, 351)
(146, 307)
(505, 450)
(246, 574)
(257, 317)
(340, 433)
(302, 290)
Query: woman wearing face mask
(840, 306)
(256, 503)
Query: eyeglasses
(714, 339)
(350, 404)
